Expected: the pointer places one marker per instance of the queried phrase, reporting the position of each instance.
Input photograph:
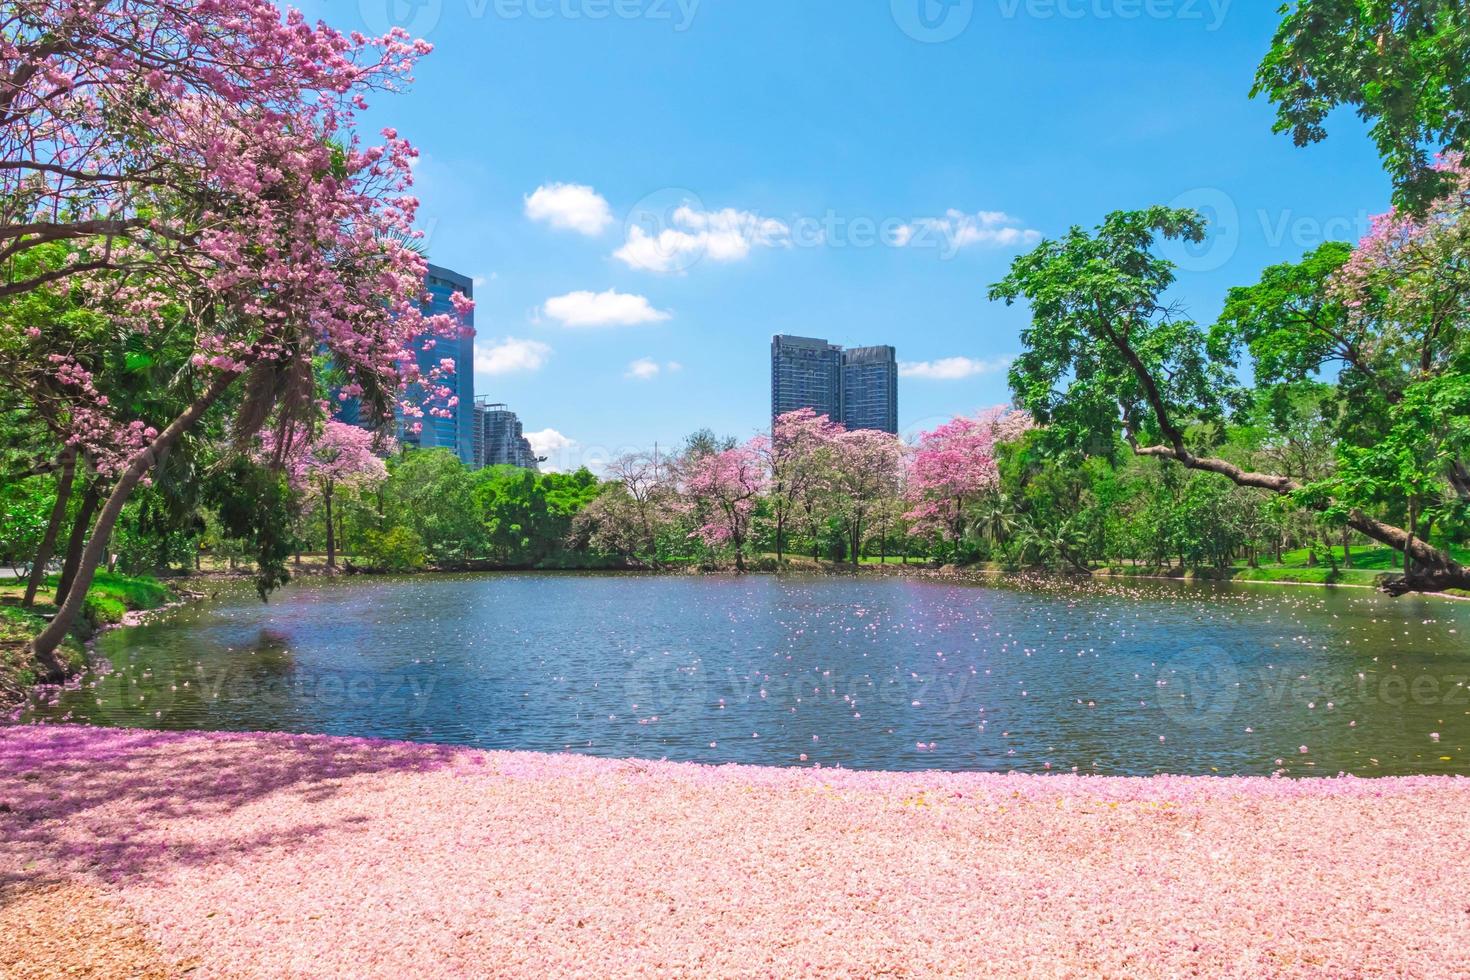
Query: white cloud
(722, 236)
(643, 369)
(511, 355)
(571, 207)
(605, 309)
(549, 441)
(957, 230)
(646, 369)
(558, 452)
(953, 368)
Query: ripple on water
(867, 673)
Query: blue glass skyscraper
(456, 433)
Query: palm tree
(995, 520)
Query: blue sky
(845, 168)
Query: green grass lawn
(1368, 564)
(1375, 558)
(110, 598)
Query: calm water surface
(869, 673)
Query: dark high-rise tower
(870, 388)
(805, 373)
(499, 439)
(858, 387)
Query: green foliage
(255, 505)
(1104, 356)
(1404, 65)
(25, 508)
(430, 492)
(528, 516)
(1287, 322)
(398, 549)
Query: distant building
(806, 373)
(870, 388)
(498, 439)
(456, 433)
(857, 387)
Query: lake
(871, 672)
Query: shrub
(396, 550)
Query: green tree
(430, 492)
(1404, 65)
(398, 549)
(1106, 358)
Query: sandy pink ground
(282, 856)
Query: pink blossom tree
(726, 486)
(209, 148)
(955, 465)
(799, 458)
(341, 457)
(867, 469)
(113, 112)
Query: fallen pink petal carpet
(221, 855)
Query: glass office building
(805, 373)
(857, 387)
(456, 433)
(499, 440)
(870, 388)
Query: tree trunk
(1440, 570)
(53, 528)
(1409, 551)
(1444, 571)
(91, 500)
(331, 529)
(1347, 548)
(44, 645)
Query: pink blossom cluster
(340, 455)
(729, 482)
(1399, 265)
(240, 188)
(956, 464)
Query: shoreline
(975, 573)
(264, 855)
